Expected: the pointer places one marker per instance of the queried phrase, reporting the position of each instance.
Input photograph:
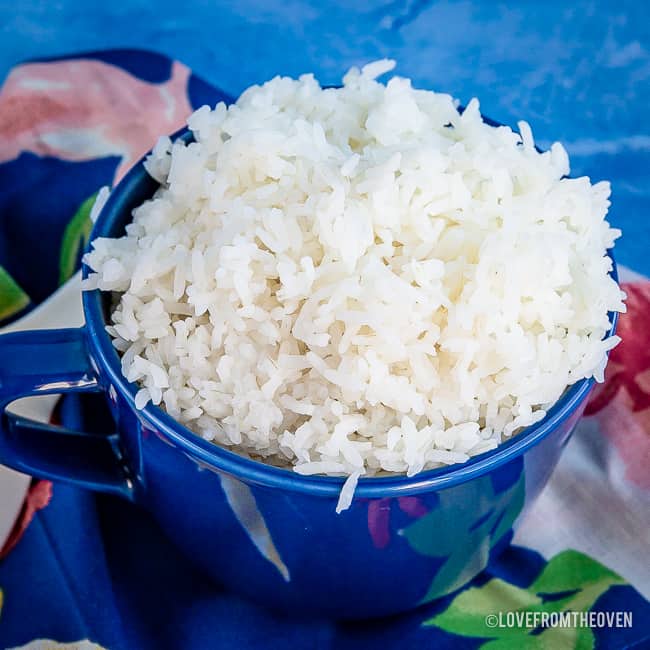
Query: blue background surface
(579, 72)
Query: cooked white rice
(359, 280)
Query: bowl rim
(217, 458)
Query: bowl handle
(43, 362)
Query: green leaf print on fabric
(573, 580)
(552, 639)
(12, 298)
(75, 238)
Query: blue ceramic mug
(261, 531)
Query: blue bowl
(265, 532)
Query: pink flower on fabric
(622, 403)
(37, 498)
(43, 111)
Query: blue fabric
(20, 216)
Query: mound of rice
(359, 280)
